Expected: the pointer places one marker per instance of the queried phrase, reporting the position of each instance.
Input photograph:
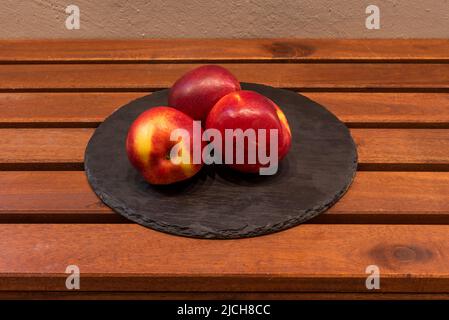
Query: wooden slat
(374, 197)
(393, 110)
(309, 258)
(396, 148)
(393, 197)
(145, 77)
(53, 196)
(59, 109)
(416, 149)
(161, 50)
(355, 109)
(63, 148)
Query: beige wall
(224, 18)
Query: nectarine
(149, 146)
(197, 91)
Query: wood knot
(396, 255)
(404, 253)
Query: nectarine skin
(284, 146)
(197, 91)
(244, 110)
(148, 145)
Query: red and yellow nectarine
(149, 146)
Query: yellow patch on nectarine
(143, 141)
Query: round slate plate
(221, 203)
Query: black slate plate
(221, 203)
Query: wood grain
(59, 109)
(49, 197)
(416, 149)
(374, 197)
(54, 147)
(273, 50)
(147, 77)
(387, 110)
(392, 110)
(386, 148)
(393, 197)
(309, 258)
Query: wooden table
(392, 94)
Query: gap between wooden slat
(224, 61)
(409, 167)
(302, 89)
(78, 166)
(352, 125)
(47, 166)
